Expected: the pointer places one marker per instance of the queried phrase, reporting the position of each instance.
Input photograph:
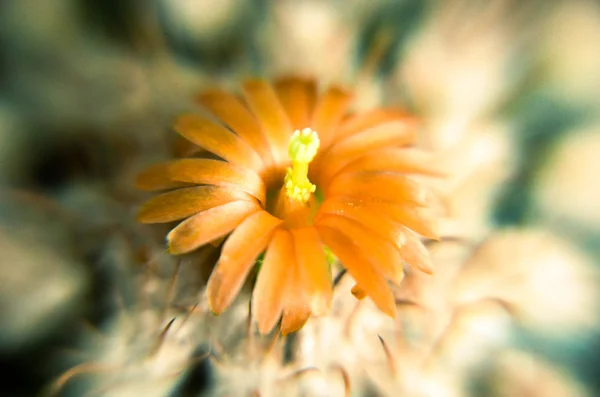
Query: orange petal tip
(294, 322)
(173, 249)
(391, 311)
(215, 305)
(170, 249)
(426, 268)
(358, 292)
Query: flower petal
(415, 218)
(394, 133)
(218, 140)
(384, 255)
(415, 254)
(157, 177)
(380, 223)
(407, 214)
(395, 188)
(298, 99)
(263, 102)
(311, 259)
(329, 111)
(294, 317)
(363, 272)
(218, 173)
(377, 221)
(232, 112)
(238, 256)
(182, 203)
(355, 124)
(400, 160)
(272, 281)
(296, 301)
(209, 225)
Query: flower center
(302, 150)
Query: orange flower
(297, 173)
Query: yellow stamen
(303, 148)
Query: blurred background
(509, 95)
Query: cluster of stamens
(302, 150)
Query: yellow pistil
(302, 150)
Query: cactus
(510, 308)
